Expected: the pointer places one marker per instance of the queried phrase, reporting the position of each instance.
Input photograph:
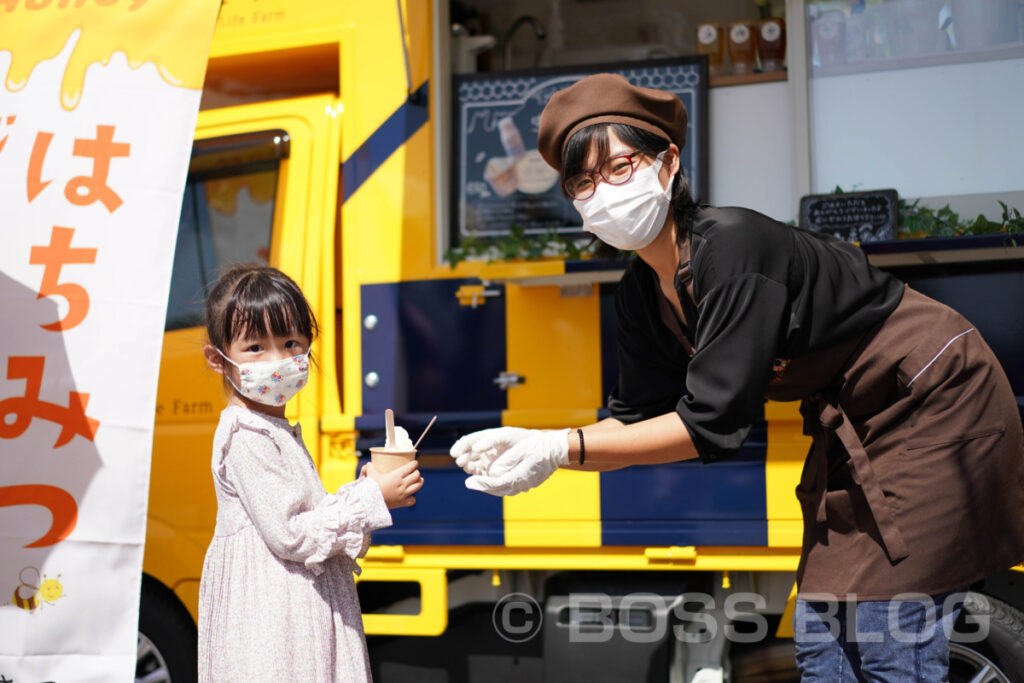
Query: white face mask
(628, 216)
(271, 382)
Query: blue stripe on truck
(445, 513)
(689, 503)
(385, 141)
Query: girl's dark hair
(253, 300)
(684, 207)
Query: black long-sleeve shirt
(764, 291)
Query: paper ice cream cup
(387, 459)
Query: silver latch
(475, 295)
(507, 380)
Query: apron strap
(833, 417)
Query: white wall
(750, 147)
(946, 135)
(944, 130)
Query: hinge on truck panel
(475, 295)
(506, 380)
(671, 554)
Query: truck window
(227, 215)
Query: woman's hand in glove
(475, 452)
(525, 465)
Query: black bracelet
(583, 451)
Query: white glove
(475, 452)
(524, 466)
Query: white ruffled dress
(277, 601)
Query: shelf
(968, 249)
(748, 79)
(581, 273)
(889, 253)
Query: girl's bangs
(257, 311)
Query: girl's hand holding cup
(399, 485)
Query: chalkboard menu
(852, 216)
(499, 179)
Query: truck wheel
(167, 649)
(997, 659)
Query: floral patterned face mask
(271, 382)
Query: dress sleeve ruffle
(342, 522)
(280, 491)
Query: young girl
(277, 601)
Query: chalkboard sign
(499, 179)
(852, 216)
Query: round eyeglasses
(615, 171)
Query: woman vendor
(914, 484)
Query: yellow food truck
(322, 148)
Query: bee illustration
(31, 592)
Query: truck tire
(168, 643)
(997, 659)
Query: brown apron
(915, 478)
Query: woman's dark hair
(253, 300)
(684, 207)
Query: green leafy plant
(916, 221)
(517, 245)
(1012, 219)
(921, 221)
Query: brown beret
(607, 98)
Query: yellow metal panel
(554, 342)
(173, 558)
(543, 418)
(373, 222)
(703, 558)
(565, 512)
(182, 506)
(506, 270)
(684, 554)
(187, 591)
(419, 35)
(324, 254)
(267, 25)
(787, 449)
(373, 77)
(339, 461)
(433, 617)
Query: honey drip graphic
(164, 33)
(222, 194)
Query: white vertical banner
(98, 103)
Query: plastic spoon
(389, 424)
(425, 429)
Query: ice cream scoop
(398, 447)
(402, 441)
